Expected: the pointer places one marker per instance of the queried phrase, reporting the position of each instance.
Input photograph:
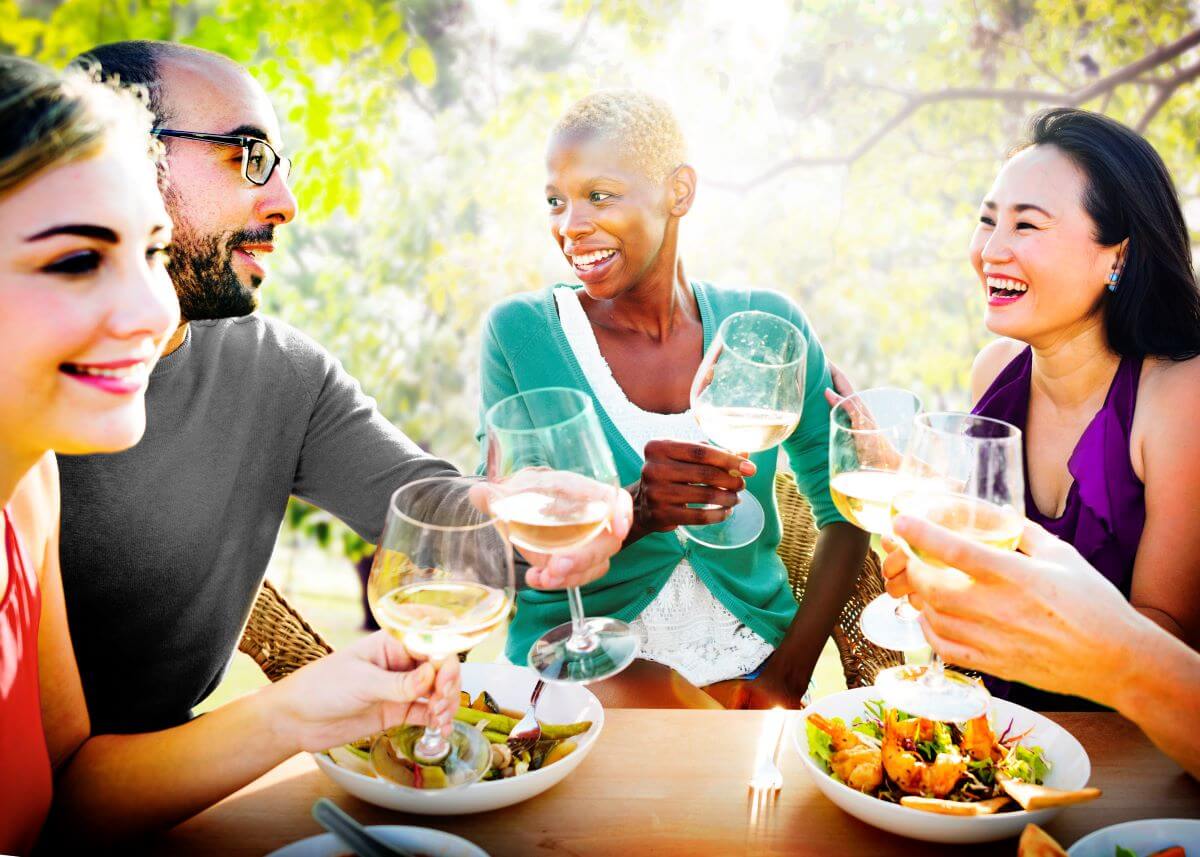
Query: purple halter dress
(1106, 504)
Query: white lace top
(685, 627)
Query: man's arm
(352, 458)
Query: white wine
(550, 519)
(439, 618)
(972, 518)
(864, 497)
(746, 429)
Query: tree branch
(1166, 90)
(918, 101)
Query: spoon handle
(360, 840)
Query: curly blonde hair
(641, 124)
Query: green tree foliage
(842, 146)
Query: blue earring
(1112, 281)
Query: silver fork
(528, 731)
(767, 779)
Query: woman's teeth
(1005, 285)
(588, 260)
(137, 370)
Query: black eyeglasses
(259, 160)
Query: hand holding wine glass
(679, 477)
(966, 474)
(583, 563)
(555, 488)
(747, 396)
(441, 581)
(372, 683)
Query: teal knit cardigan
(524, 347)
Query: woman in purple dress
(1084, 262)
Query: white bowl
(1070, 769)
(510, 686)
(420, 839)
(1141, 837)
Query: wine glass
(441, 581)
(869, 432)
(555, 485)
(747, 397)
(966, 473)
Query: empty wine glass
(555, 486)
(442, 580)
(965, 473)
(747, 396)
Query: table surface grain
(674, 783)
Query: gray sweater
(164, 546)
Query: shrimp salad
(889, 754)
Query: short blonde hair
(641, 124)
(47, 119)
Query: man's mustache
(261, 235)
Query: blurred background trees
(842, 147)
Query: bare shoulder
(1169, 386)
(991, 359)
(35, 507)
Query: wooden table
(674, 782)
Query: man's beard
(202, 270)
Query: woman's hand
(677, 473)
(371, 685)
(1044, 616)
(895, 568)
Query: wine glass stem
(431, 747)
(582, 640)
(905, 612)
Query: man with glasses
(164, 546)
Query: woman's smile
(592, 265)
(1003, 290)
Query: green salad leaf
(820, 745)
(1027, 764)
(1122, 851)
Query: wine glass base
(743, 526)
(951, 697)
(883, 626)
(613, 647)
(396, 762)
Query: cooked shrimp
(906, 767)
(979, 741)
(841, 736)
(856, 759)
(859, 767)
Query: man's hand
(588, 562)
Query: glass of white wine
(747, 397)
(869, 432)
(441, 581)
(554, 486)
(965, 473)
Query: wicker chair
(861, 659)
(280, 641)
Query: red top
(25, 775)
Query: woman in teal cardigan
(632, 337)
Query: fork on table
(767, 779)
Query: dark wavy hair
(1155, 310)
